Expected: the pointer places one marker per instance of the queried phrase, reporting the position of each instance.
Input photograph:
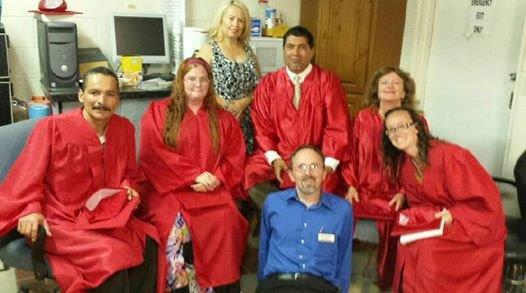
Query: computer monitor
(143, 35)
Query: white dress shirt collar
(302, 74)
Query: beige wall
(200, 13)
(93, 28)
(454, 73)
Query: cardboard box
(90, 58)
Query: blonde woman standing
(234, 64)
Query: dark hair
(309, 147)
(409, 87)
(392, 155)
(99, 70)
(299, 31)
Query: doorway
(353, 38)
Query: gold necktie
(297, 92)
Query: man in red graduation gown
(298, 104)
(68, 158)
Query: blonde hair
(176, 110)
(216, 31)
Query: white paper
(410, 237)
(480, 18)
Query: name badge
(326, 237)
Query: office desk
(71, 95)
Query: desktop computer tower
(57, 46)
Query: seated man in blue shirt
(306, 235)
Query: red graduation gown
(62, 164)
(469, 256)
(365, 172)
(365, 169)
(218, 230)
(322, 120)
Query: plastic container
(270, 12)
(19, 109)
(38, 107)
(38, 110)
(131, 64)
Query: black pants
(188, 255)
(273, 285)
(139, 279)
(520, 178)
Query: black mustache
(101, 107)
(308, 177)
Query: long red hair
(176, 110)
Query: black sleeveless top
(235, 80)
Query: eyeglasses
(393, 130)
(304, 167)
(195, 80)
(388, 82)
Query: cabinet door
(5, 103)
(4, 60)
(353, 38)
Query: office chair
(515, 246)
(14, 250)
(515, 250)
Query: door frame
(516, 135)
(417, 49)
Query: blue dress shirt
(299, 239)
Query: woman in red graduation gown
(370, 191)
(438, 175)
(193, 154)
